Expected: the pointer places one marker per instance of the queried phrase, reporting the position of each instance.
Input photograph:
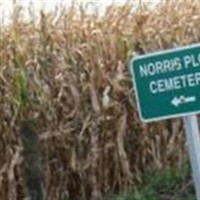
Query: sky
(7, 5)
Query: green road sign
(167, 83)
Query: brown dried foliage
(80, 94)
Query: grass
(172, 183)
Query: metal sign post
(193, 141)
(167, 85)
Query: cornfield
(68, 72)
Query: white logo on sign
(176, 101)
